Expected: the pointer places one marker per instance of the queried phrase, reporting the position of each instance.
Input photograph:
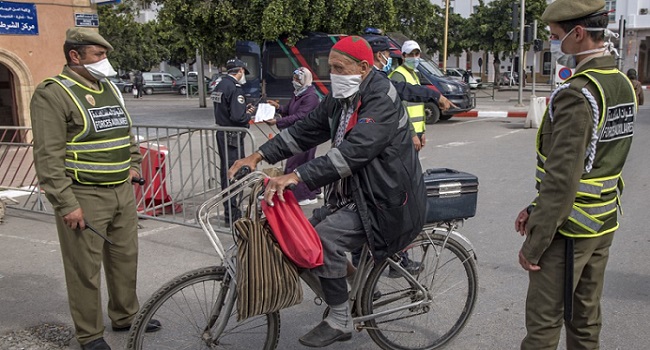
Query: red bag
(297, 238)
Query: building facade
(635, 52)
(31, 49)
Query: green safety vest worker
(99, 154)
(594, 209)
(415, 110)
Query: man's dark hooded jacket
(387, 183)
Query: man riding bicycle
(375, 191)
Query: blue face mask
(388, 65)
(412, 62)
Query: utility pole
(200, 79)
(621, 41)
(444, 58)
(534, 56)
(521, 52)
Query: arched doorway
(8, 103)
(16, 89)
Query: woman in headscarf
(304, 101)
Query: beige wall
(32, 58)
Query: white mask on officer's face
(100, 70)
(242, 79)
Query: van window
(281, 67)
(167, 79)
(252, 64)
(320, 65)
(156, 77)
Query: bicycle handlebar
(138, 181)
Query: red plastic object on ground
(152, 198)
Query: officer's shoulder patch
(366, 121)
(241, 99)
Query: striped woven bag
(266, 280)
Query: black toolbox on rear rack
(451, 194)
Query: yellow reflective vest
(100, 153)
(415, 110)
(597, 200)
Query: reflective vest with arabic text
(597, 200)
(100, 153)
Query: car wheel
(182, 90)
(148, 91)
(446, 116)
(431, 113)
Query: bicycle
(197, 309)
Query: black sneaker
(412, 267)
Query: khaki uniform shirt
(564, 142)
(55, 121)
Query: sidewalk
(504, 102)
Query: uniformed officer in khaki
(85, 156)
(582, 145)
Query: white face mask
(242, 80)
(100, 70)
(344, 86)
(569, 60)
(296, 85)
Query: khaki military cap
(564, 10)
(86, 36)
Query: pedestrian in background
(303, 101)
(138, 83)
(407, 72)
(638, 89)
(230, 110)
(582, 145)
(85, 156)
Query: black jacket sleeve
(416, 93)
(237, 103)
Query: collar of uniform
(78, 78)
(596, 60)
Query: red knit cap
(356, 48)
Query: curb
(493, 114)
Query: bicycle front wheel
(189, 307)
(448, 274)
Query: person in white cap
(407, 73)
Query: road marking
(508, 133)
(453, 144)
(157, 230)
(32, 240)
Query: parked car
(181, 85)
(158, 82)
(122, 85)
(462, 75)
(509, 78)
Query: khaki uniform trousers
(545, 300)
(111, 211)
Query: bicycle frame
(366, 265)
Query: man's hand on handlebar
(250, 161)
(277, 185)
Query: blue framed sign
(18, 18)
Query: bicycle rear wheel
(448, 273)
(184, 307)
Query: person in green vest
(582, 144)
(85, 156)
(407, 72)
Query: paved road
(499, 151)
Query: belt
(75, 182)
